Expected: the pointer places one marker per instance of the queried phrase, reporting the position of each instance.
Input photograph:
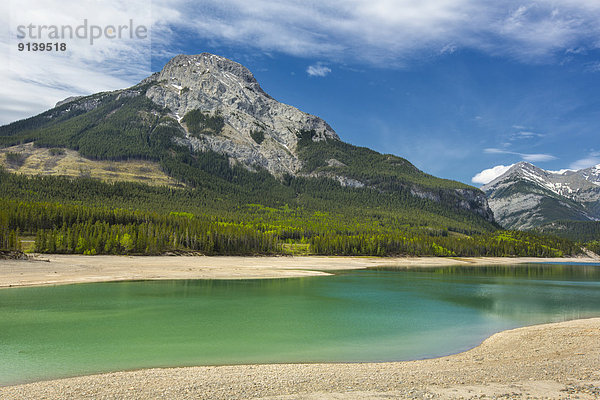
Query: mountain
(207, 122)
(257, 130)
(199, 158)
(526, 196)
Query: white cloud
(560, 171)
(318, 69)
(377, 32)
(488, 175)
(393, 31)
(590, 161)
(525, 156)
(523, 133)
(527, 134)
(537, 157)
(34, 81)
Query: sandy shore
(556, 361)
(64, 269)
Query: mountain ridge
(205, 117)
(527, 196)
(216, 85)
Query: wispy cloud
(525, 156)
(527, 135)
(593, 67)
(522, 132)
(488, 175)
(386, 31)
(592, 159)
(34, 81)
(376, 32)
(318, 69)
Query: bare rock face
(218, 86)
(526, 196)
(475, 201)
(67, 100)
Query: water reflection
(528, 293)
(371, 315)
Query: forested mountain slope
(205, 119)
(246, 175)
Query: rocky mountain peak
(526, 196)
(204, 64)
(203, 112)
(591, 174)
(221, 87)
(527, 170)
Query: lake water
(369, 315)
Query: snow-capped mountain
(526, 196)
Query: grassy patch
(40, 161)
(296, 249)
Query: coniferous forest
(225, 208)
(85, 216)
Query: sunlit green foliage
(90, 217)
(594, 246)
(228, 209)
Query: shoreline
(70, 269)
(557, 360)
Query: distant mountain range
(526, 197)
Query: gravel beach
(65, 269)
(552, 361)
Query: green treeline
(585, 233)
(581, 231)
(9, 238)
(155, 238)
(497, 244)
(89, 216)
(76, 229)
(61, 228)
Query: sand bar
(65, 269)
(555, 361)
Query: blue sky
(455, 86)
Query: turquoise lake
(367, 315)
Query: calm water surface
(373, 315)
